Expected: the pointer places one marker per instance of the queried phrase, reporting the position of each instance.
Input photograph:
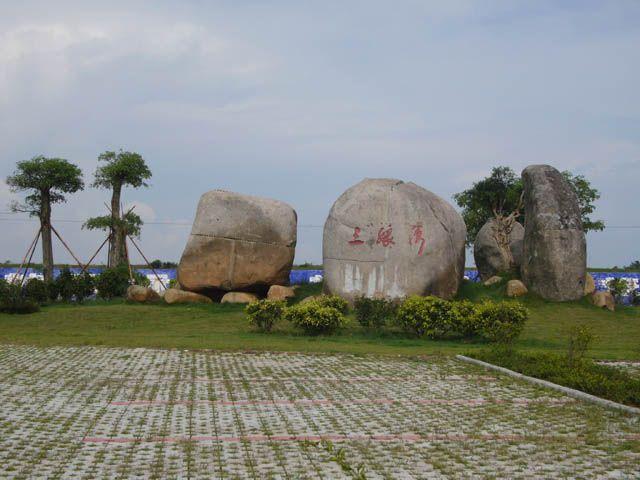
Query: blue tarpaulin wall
(303, 276)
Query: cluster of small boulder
(384, 238)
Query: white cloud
(145, 211)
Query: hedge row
(67, 287)
(430, 317)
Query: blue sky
(300, 100)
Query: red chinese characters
(417, 238)
(356, 237)
(385, 236)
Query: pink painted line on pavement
(363, 401)
(314, 379)
(387, 437)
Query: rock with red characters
(385, 238)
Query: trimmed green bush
(426, 316)
(113, 282)
(374, 312)
(265, 313)
(465, 320)
(37, 290)
(315, 318)
(83, 286)
(65, 285)
(618, 288)
(501, 322)
(13, 301)
(334, 301)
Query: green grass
(225, 327)
(582, 374)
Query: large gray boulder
(238, 242)
(385, 238)
(492, 255)
(555, 250)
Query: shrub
(466, 321)
(36, 290)
(618, 288)
(580, 339)
(265, 313)
(501, 322)
(373, 312)
(84, 286)
(113, 282)
(140, 279)
(315, 318)
(430, 316)
(13, 301)
(334, 301)
(635, 298)
(65, 285)
(4, 287)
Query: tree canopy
(499, 194)
(48, 178)
(130, 223)
(121, 168)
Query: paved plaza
(90, 412)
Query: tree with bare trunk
(48, 179)
(119, 170)
(499, 197)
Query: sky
(300, 100)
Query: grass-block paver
(89, 412)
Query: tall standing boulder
(493, 253)
(385, 238)
(555, 249)
(238, 242)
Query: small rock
(310, 298)
(603, 299)
(239, 297)
(280, 292)
(589, 284)
(492, 281)
(140, 294)
(515, 288)
(173, 295)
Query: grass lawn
(225, 327)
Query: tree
(119, 170)
(496, 196)
(48, 179)
(499, 196)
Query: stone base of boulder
(280, 292)
(239, 297)
(140, 294)
(492, 281)
(173, 295)
(603, 299)
(515, 288)
(589, 284)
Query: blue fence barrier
(298, 277)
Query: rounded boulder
(498, 248)
(238, 242)
(385, 238)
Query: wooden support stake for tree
(126, 252)
(67, 247)
(148, 263)
(95, 255)
(31, 247)
(28, 263)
